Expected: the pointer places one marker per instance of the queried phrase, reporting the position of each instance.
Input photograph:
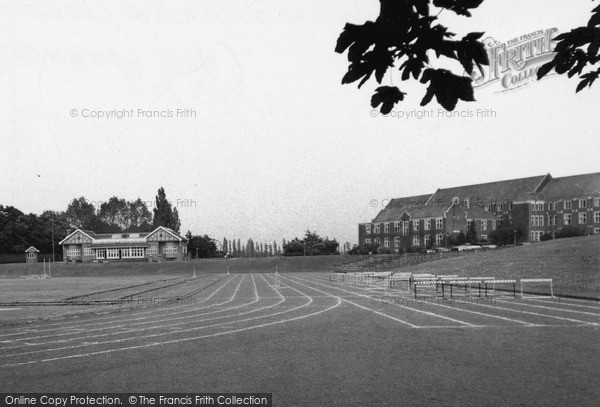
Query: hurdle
(396, 280)
(425, 283)
(494, 282)
(537, 280)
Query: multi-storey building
(534, 205)
(160, 244)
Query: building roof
(32, 250)
(398, 206)
(515, 190)
(167, 230)
(123, 239)
(572, 187)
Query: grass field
(573, 264)
(202, 266)
(312, 342)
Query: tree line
(19, 231)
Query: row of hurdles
(442, 285)
(392, 262)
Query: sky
(236, 108)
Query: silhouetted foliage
(402, 35)
(572, 57)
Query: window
(583, 218)
(541, 220)
(137, 252)
(397, 241)
(540, 206)
(405, 228)
(73, 252)
(126, 252)
(484, 238)
(396, 226)
(154, 249)
(173, 249)
(31, 255)
(484, 225)
(596, 201)
(555, 220)
(368, 229)
(455, 200)
(532, 223)
(100, 253)
(554, 205)
(377, 228)
(510, 206)
(428, 240)
(112, 253)
(386, 228)
(439, 239)
(416, 225)
(416, 241)
(386, 242)
(583, 203)
(567, 219)
(427, 224)
(499, 207)
(377, 241)
(568, 204)
(469, 223)
(532, 206)
(550, 218)
(467, 203)
(88, 252)
(184, 249)
(596, 217)
(439, 223)
(535, 236)
(597, 231)
(493, 225)
(367, 241)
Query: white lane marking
(398, 305)
(551, 308)
(192, 338)
(562, 302)
(118, 319)
(355, 304)
(165, 333)
(108, 318)
(126, 331)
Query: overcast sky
(277, 144)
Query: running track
(234, 305)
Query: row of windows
(170, 249)
(582, 218)
(416, 240)
(416, 226)
(126, 253)
(439, 224)
(582, 203)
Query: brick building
(534, 205)
(160, 244)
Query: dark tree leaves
(387, 97)
(447, 88)
(402, 35)
(460, 7)
(575, 51)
